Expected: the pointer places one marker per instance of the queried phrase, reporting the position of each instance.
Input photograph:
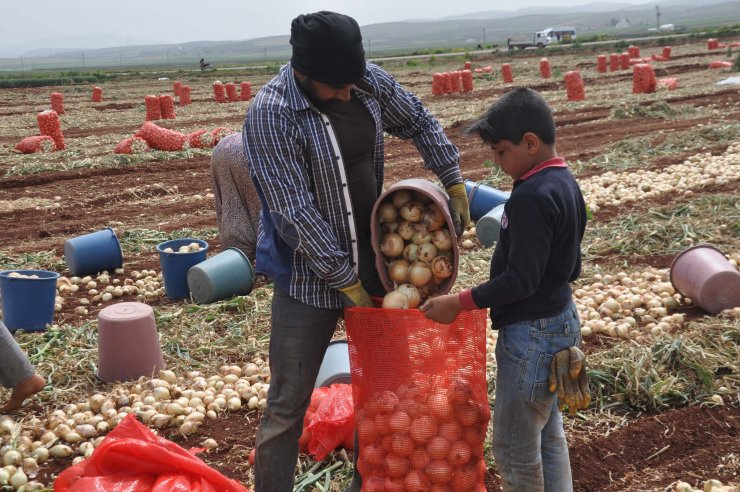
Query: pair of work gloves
(356, 296)
(569, 379)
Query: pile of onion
(416, 245)
(426, 435)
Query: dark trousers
(299, 339)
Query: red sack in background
(421, 399)
(316, 398)
(333, 422)
(134, 459)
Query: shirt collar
(554, 162)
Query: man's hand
(356, 296)
(459, 207)
(568, 376)
(442, 309)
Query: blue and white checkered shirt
(308, 243)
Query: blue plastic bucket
(175, 265)
(28, 303)
(93, 253)
(488, 227)
(222, 276)
(482, 198)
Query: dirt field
(47, 198)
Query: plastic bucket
(93, 253)
(175, 265)
(703, 274)
(128, 342)
(438, 196)
(225, 275)
(488, 227)
(483, 198)
(335, 366)
(28, 303)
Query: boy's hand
(442, 309)
(356, 296)
(568, 376)
(459, 207)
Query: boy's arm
(531, 220)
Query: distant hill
(468, 30)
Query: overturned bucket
(483, 198)
(335, 366)
(222, 276)
(703, 274)
(93, 252)
(128, 342)
(175, 265)
(28, 298)
(488, 227)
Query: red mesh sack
(200, 138)
(219, 92)
(316, 398)
(421, 401)
(506, 73)
(176, 86)
(613, 62)
(153, 108)
(134, 459)
(426, 197)
(333, 422)
(231, 93)
(667, 52)
(643, 79)
(720, 64)
(545, 68)
(57, 102)
(49, 125)
(167, 106)
(574, 86)
(624, 61)
(185, 95)
(218, 133)
(246, 91)
(467, 65)
(36, 143)
(438, 84)
(131, 145)
(162, 138)
(601, 63)
(455, 82)
(466, 77)
(670, 83)
(447, 76)
(97, 94)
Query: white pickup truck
(540, 40)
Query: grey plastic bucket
(222, 276)
(489, 226)
(335, 366)
(482, 198)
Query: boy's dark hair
(517, 112)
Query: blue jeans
(529, 443)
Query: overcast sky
(197, 20)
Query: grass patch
(658, 109)
(669, 230)
(42, 260)
(146, 240)
(672, 372)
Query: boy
(537, 256)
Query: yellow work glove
(356, 296)
(568, 377)
(459, 207)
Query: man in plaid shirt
(313, 137)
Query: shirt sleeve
(404, 116)
(531, 219)
(273, 145)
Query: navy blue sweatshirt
(538, 252)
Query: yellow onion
(411, 293)
(441, 267)
(412, 211)
(401, 197)
(398, 271)
(406, 229)
(433, 217)
(442, 240)
(411, 252)
(427, 252)
(420, 274)
(391, 245)
(387, 212)
(395, 300)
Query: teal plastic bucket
(93, 253)
(175, 265)
(28, 303)
(488, 227)
(483, 198)
(222, 276)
